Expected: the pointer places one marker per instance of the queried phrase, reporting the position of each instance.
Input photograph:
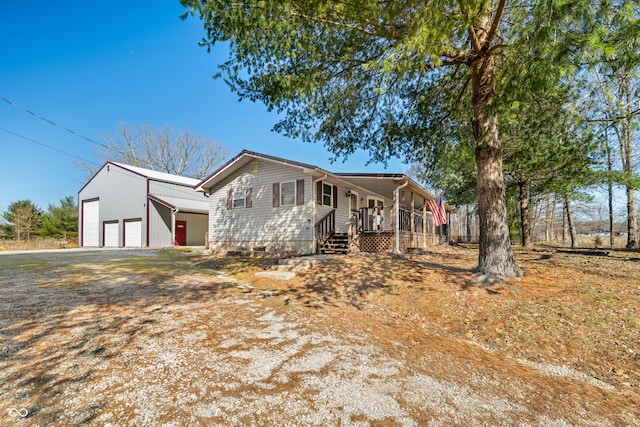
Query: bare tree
(178, 152)
(23, 219)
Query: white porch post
(424, 223)
(397, 213)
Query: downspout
(147, 219)
(397, 213)
(314, 212)
(174, 212)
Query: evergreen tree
(61, 221)
(387, 76)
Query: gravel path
(101, 338)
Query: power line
(47, 146)
(13, 104)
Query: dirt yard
(172, 338)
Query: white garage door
(133, 233)
(90, 223)
(111, 234)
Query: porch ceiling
(385, 185)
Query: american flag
(436, 206)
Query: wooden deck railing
(368, 220)
(326, 227)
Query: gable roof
(244, 157)
(374, 182)
(157, 175)
(146, 173)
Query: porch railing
(367, 220)
(370, 219)
(326, 227)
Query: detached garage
(128, 206)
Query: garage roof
(182, 205)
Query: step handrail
(326, 227)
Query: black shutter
(276, 194)
(319, 192)
(335, 197)
(300, 192)
(247, 195)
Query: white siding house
(128, 206)
(262, 202)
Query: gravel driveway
(142, 337)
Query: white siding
(279, 228)
(342, 211)
(175, 190)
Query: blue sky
(88, 66)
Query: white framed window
(327, 194)
(239, 199)
(288, 193)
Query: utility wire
(47, 146)
(89, 161)
(13, 104)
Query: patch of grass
(34, 266)
(231, 264)
(631, 321)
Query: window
(238, 199)
(288, 193)
(327, 195)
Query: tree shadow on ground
(81, 312)
(356, 277)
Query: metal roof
(183, 205)
(159, 176)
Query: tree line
(26, 221)
(493, 101)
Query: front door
(181, 233)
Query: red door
(181, 233)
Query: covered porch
(387, 213)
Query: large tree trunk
(525, 226)
(609, 190)
(468, 221)
(570, 223)
(625, 135)
(632, 224)
(548, 220)
(495, 258)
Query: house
(260, 202)
(601, 232)
(129, 206)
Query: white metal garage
(133, 233)
(138, 208)
(90, 223)
(111, 234)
